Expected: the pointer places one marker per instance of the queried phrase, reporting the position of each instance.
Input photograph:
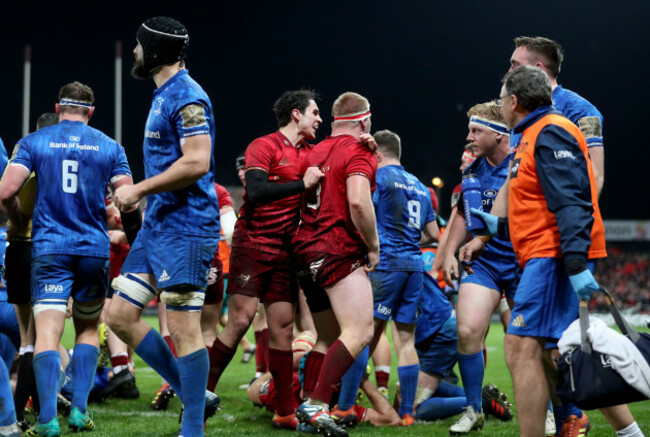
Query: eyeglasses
(499, 101)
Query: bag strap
(622, 324)
(585, 345)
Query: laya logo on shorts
(53, 288)
(381, 309)
(164, 276)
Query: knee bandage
(87, 312)
(50, 304)
(503, 306)
(133, 289)
(182, 300)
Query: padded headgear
(164, 41)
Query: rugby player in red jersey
(261, 260)
(336, 245)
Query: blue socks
(472, 369)
(352, 380)
(448, 390)
(84, 366)
(408, 382)
(440, 408)
(154, 351)
(194, 370)
(7, 409)
(46, 370)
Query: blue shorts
(55, 278)
(397, 295)
(438, 353)
(545, 302)
(499, 276)
(9, 327)
(178, 262)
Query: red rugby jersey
(223, 196)
(327, 226)
(269, 226)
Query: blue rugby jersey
(4, 158)
(492, 179)
(582, 113)
(403, 207)
(180, 109)
(3, 250)
(435, 310)
(74, 164)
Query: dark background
(422, 64)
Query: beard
(138, 71)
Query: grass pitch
(239, 417)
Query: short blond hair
(489, 111)
(349, 103)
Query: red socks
(220, 357)
(311, 371)
(262, 350)
(281, 367)
(337, 361)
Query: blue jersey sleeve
(23, 156)
(4, 158)
(120, 165)
(191, 119)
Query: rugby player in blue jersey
(70, 244)
(404, 212)
(493, 274)
(180, 233)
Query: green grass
(239, 417)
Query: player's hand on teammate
(584, 284)
(312, 177)
(450, 270)
(470, 252)
(125, 197)
(373, 260)
(368, 140)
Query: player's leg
(381, 358)
(475, 306)
(351, 300)
(184, 322)
(524, 359)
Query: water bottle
(472, 198)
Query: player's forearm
(597, 157)
(363, 217)
(11, 205)
(457, 234)
(182, 173)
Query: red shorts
(269, 395)
(214, 290)
(266, 276)
(316, 271)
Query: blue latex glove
(491, 221)
(584, 284)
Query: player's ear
(57, 109)
(91, 111)
(295, 115)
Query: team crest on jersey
(284, 162)
(158, 105)
(243, 279)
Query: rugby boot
(470, 420)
